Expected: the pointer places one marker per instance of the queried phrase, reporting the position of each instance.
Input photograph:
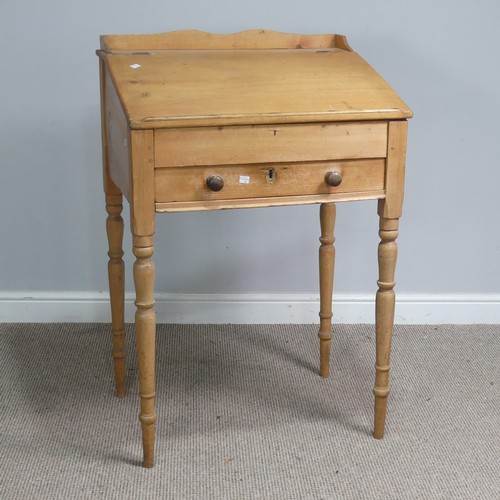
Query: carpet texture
(243, 414)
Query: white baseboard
(89, 307)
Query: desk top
(213, 80)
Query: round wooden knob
(215, 182)
(333, 178)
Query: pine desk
(196, 121)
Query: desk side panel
(117, 136)
(392, 206)
(142, 202)
(110, 187)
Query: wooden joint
(119, 354)
(327, 241)
(144, 305)
(388, 235)
(143, 252)
(142, 241)
(386, 285)
(114, 200)
(381, 392)
(149, 419)
(382, 368)
(114, 212)
(116, 257)
(389, 224)
(149, 395)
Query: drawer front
(268, 144)
(183, 184)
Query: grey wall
(441, 56)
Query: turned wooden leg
(116, 275)
(326, 266)
(145, 330)
(384, 318)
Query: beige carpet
(243, 414)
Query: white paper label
(244, 179)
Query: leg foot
(145, 330)
(326, 266)
(384, 319)
(116, 275)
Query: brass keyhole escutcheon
(271, 175)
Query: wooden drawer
(269, 144)
(187, 184)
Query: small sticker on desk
(135, 66)
(244, 179)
